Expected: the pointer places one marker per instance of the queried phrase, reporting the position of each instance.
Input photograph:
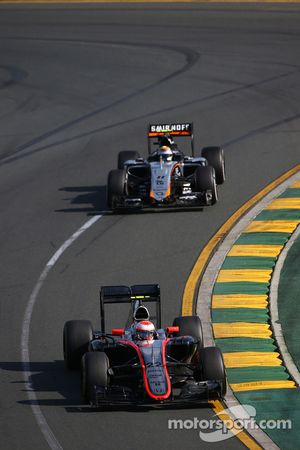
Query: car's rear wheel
(190, 326)
(126, 155)
(115, 186)
(215, 158)
(212, 367)
(205, 181)
(94, 372)
(76, 337)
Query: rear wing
(173, 129)
(136, 295)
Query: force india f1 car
(129, 366)
(167, 178)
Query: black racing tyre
(76, 337)
(205, 180)
(115, 186)
(190, 326)
(125, 156)
(212, 364)
(215, 158)
(94, 371)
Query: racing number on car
(160, 180)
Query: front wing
(187, 201)
(190, 393)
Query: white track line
(34, 403)
(276, 325)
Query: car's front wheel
(212, 367)
(205, 180)
(115, 186)
(94, 372)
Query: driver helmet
(167, 139)
(144, 331)
(165, 153)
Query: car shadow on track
(89, 199)
(54, 386)
(60, 387)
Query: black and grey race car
(119, 368)
(166, 180)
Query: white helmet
(165, 153)
(144, 331)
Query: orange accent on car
(168, 191)
(172, 133)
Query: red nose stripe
(155, 397)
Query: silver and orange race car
(167, 177)
(143, 363)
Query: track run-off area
(238, 301)
(78, 83)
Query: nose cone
(161, 180)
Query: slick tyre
(212, 366)
(125, 156)
(76, 337)
(115, 186)
(215, 158)
(94, 372)
(190, 326)
(205, 181)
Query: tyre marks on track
(191, 58)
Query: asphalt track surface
(78, 84)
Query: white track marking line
(34, 403)
(275, 319)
